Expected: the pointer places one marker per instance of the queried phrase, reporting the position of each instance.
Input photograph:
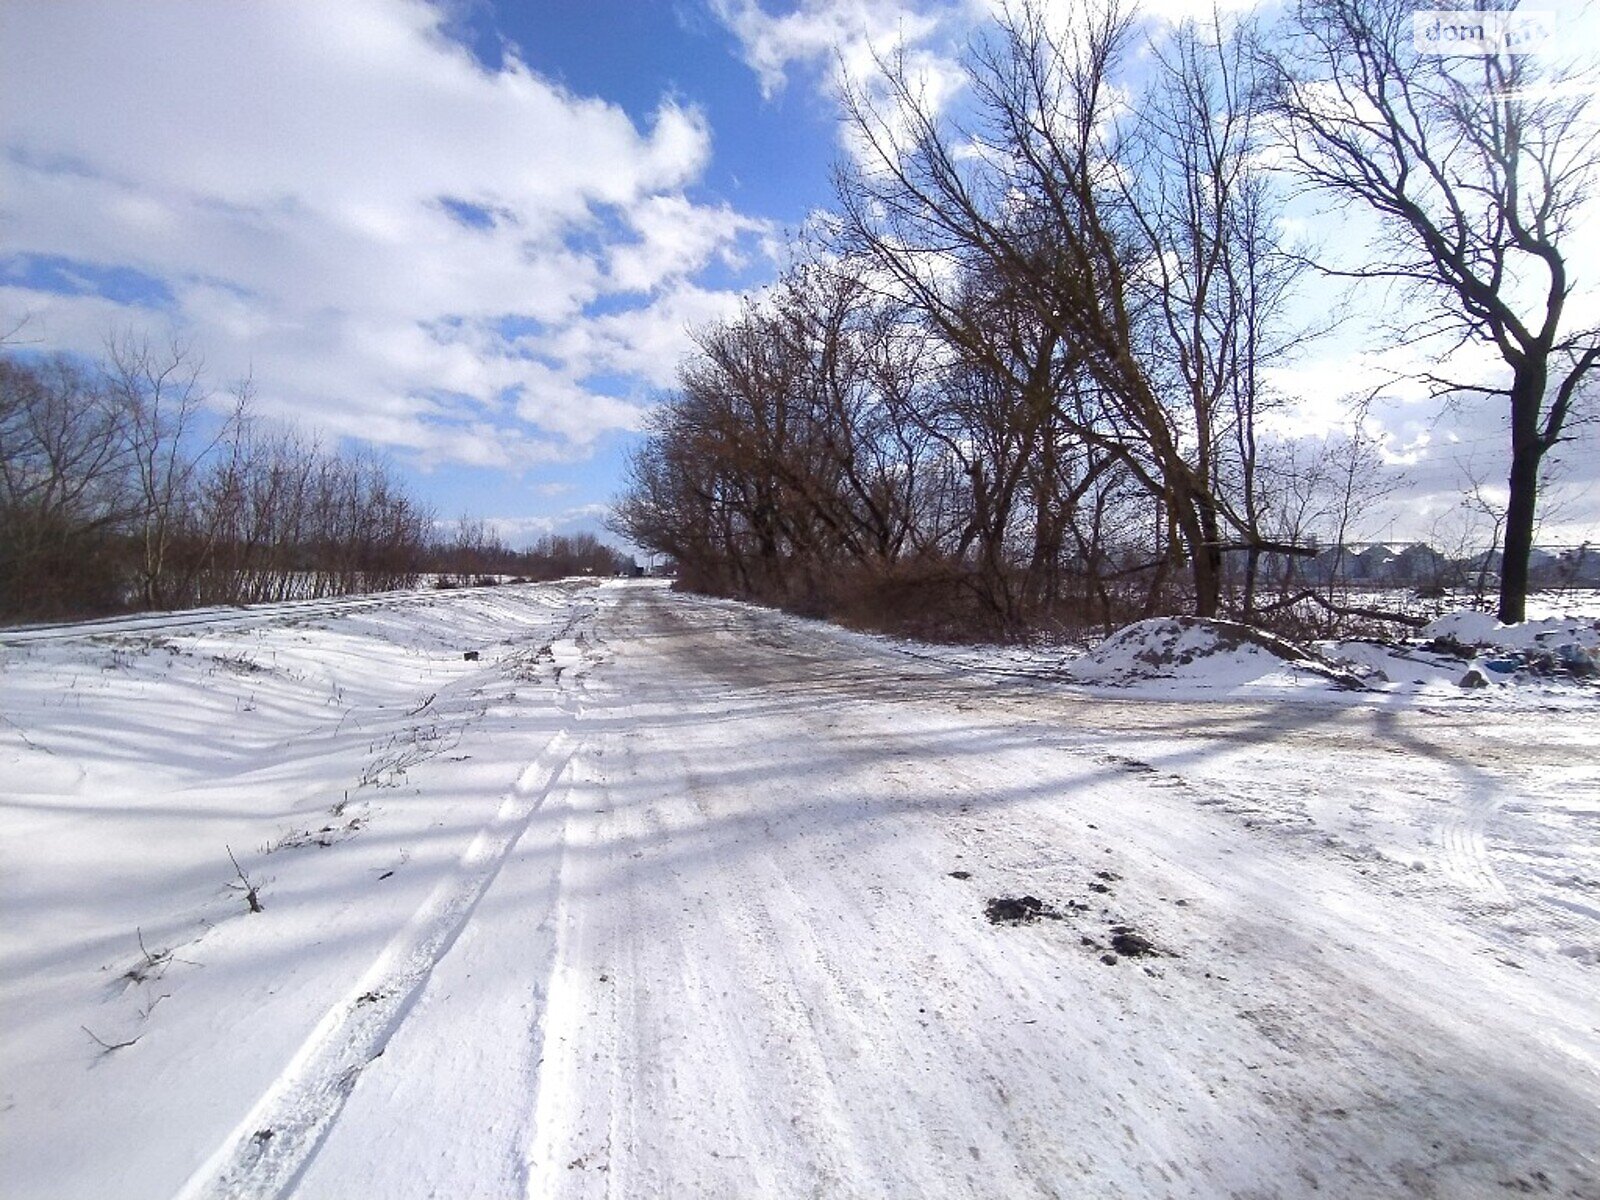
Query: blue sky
(469, 233)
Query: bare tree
(1218, 277)
(65, 495)
(1477, 169)
(161, 395)
(1128, 233)
(117, 490)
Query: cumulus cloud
(847, 37)
(644, 342)
(522, 532)
(674, 238)
(342, 200)
(845, 44)
(843, 35)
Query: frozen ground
(671, 897)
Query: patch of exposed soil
(1126, 942)
(1009, 910)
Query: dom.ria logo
(1463, 33)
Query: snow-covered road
(674, 897)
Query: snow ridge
(269, 1150)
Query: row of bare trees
(833, 450)
(119, 489)
(1031, 358)
(475, 552)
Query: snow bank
(1481, 631)
(342, 758)
(1460, 651)
(1553, 648)
(1206, 652)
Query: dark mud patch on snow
(1134, 766)
(1125, 942)
(1122, 941)
(1018, 910)
(1131, 944)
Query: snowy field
(668, 897)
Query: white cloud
(845, 35)
(850, 42)
(522, 532)
(675, 238)
(342, 200)
(645, 342)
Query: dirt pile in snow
(1220, 653)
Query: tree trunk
(1252, 567)
(1191, 516)
(1520, 507)
(1527, 450)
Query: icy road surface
(666, 897)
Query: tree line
(1023, 373)
(476, 553)
(121, 487)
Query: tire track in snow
(1465, 853)
(270, 1149)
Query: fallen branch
(108, 1047)
(1344, 610)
